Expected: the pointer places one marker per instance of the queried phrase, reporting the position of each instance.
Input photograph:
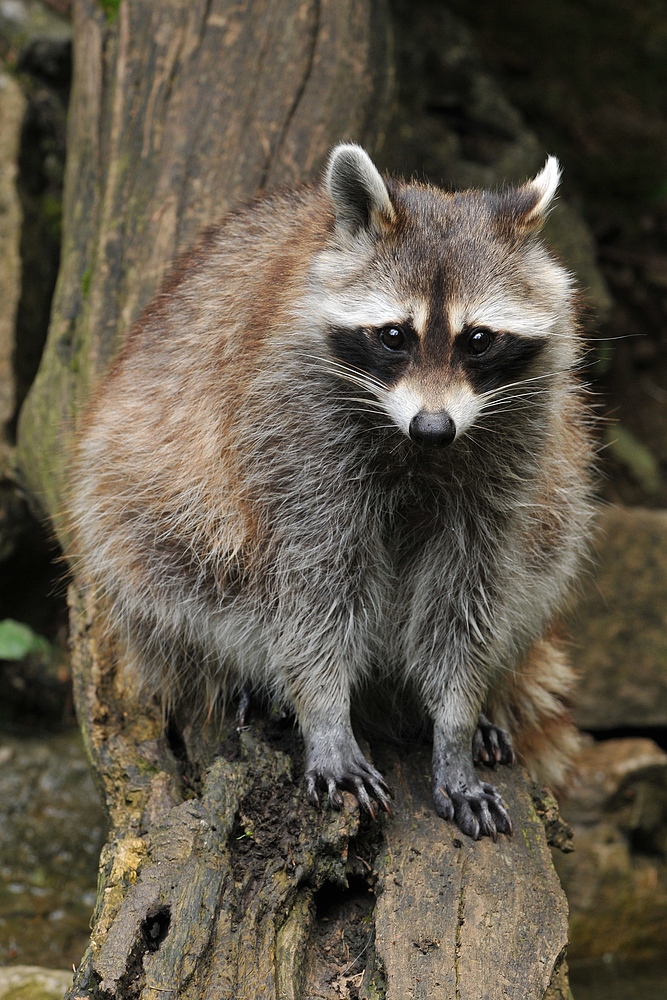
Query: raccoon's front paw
(332, 766)
(475, 806)
(491, 744)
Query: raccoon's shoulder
(281, 230)
(245, 269)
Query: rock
(30, 982)
(624, 782)
(618, 625)
(52, 828)
(453, 124)
(616, 878)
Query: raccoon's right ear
(359, 195)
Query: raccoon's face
(441, 307)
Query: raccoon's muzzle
(436, 430)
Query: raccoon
(346, 444)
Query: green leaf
(18, 640)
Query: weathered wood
(12, 110)
(485, 919)
(218, 879)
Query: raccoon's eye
(393, 338)
(479, 341)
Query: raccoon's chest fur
(423, 543)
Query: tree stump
(218, 879)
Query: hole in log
(155, 927)
(35, 693)
(187, 763)
(342, 937)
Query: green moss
(110, 8)
(52, 208)
(85, 281)
(145, 767)
(38, 877)
(377, 987)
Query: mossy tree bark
(218, 880)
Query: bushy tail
(532, 704)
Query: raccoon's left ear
(536, 196)
(359, 195)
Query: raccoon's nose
(434, 429)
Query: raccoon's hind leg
(491, 745)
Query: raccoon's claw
(475, 807)
(459, 795)
(242, 708)
(502, 817)
(335, 798)
(366, 788)
(351, 772)
(491, 744)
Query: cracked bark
(218, 880)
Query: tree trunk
(218, 880)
